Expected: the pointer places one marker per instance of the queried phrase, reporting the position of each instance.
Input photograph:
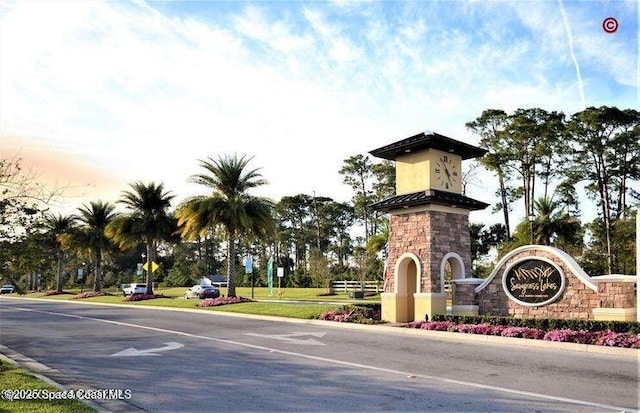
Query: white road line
(346, 363)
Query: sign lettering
(533, 282)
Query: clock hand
(446, 171)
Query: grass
(311, 310)
(13, 377)
(304, 311)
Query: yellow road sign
(154, 266)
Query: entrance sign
(533, 282)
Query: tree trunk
(59, 279)
(150, 259)
(97, 280)
(231, 265)
(505, 203)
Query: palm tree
(147, 219)
(92, 237)
(553, 225)
(229, 205)
(59, 228)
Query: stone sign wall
(538, 281)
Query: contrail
(567, 27)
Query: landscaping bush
(54, 292)
(213, 302)
(363, 314)
(141, 297)
(601, 338)
(631, 327)
(90, 294)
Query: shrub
(363, 314)
(141, 297)
(54, 292)
(546, 324)
(601, 338)
(90, 294)
(214, 302)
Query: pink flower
(213, 302)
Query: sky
(97, 95)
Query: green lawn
(278, 308)
(14, 378)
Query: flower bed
(54, 292)
(141, 297)
(600, 338)
(90, 294)
(213, 302)
(354, 314)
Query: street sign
(248, 264)
(154, 266)
(280, 272)
(270, 276)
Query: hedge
(631, 327)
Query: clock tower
(428, 224)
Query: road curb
(395, 329)
(54, 378)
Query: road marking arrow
(150, 352)
(290, 338)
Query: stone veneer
(581, 295)
(430, 235)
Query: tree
(482, 240)
(295, 227)
(533, 138)
(148, 220)
(59, 227)
(357, 172)
(338, 220)
(605, 152)
(91, 236)
(319, 269)
(490, 126)
(22, 198)
(526, 145)
(554, 226)
(229, 205)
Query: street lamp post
(532, 218)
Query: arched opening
(451, 268)
(407, 281)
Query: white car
(135, 288)
(7, 289)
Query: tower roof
(426, 140)
(428, 197)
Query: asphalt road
(172, 361)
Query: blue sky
(96, 95)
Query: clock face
(446, 173)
